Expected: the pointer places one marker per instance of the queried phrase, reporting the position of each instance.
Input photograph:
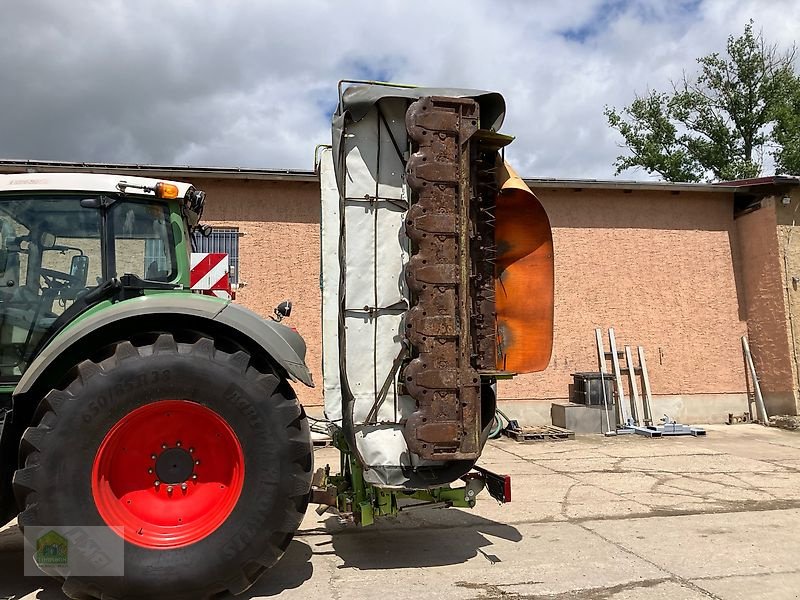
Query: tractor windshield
(54, 250)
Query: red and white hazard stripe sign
(209, 274)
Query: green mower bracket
(355, 501)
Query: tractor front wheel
(199, 459)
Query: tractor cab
(59, 246)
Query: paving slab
(726, 487)
(596, 464)
(791, 464)
(778, 485)
(711, 545)
(540, 511)
(620, 482)
(593, 518)
(580, 447)
(745, 433)
(768, 586)
(698, 463)
(510, 465)
(760, 449)
(635, 446)
(649, 590)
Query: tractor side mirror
(284, 309)
(79, 270)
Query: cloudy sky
(253, 83)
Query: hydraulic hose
(497, 428)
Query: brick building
(682, 269)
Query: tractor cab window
(70, 266)
(54, 250)
(13, 263)
(143, 240)
(50, 255)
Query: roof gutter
(625, 185)
(157, 171)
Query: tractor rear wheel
(199, 459)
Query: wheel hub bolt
(178, 444)
(153, 456)
(194, 476)
(164, 446)
(156, 483)
(197, 462)
(169, 489)
(184, 486)
(150, 471)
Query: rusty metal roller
(446, 423)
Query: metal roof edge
(792, 180)
(33, 166)
(656, 186)
(181, 171)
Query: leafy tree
(720, 123)
(787, 130)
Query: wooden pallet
(539, 433)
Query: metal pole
(632, 381)
(601, 358)
(646, 398)
(622, 411)
(762, 410)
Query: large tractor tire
(203, 457)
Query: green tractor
(129, 402)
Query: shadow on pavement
(290, 572)
(419, 539)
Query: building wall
(788, 238)
(278, 254)
(764, 298)
(659, 267)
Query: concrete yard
(594, 518)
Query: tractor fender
(282, 344)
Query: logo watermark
(74, 550)
(52, 550)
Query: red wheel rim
(169, 473)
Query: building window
(221, 239)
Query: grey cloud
(246, 83)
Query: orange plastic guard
(524, 282)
